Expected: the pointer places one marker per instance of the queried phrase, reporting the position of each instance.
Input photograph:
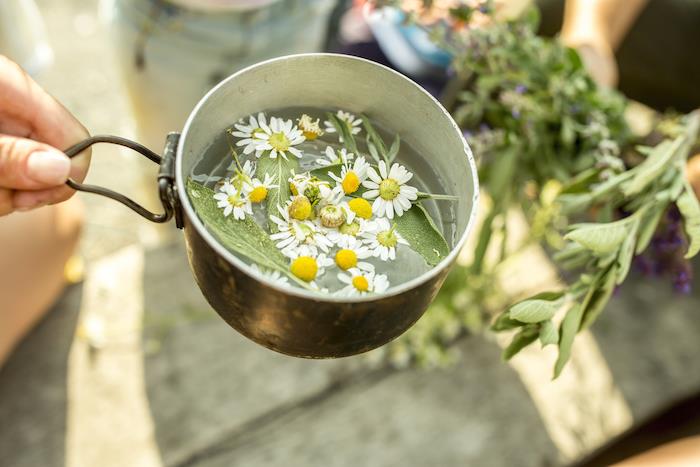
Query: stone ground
(132, 368)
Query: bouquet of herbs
(549, 140)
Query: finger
(31, 112)
(6, 204)
(29, 165)
(35, 198)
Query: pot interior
(359, 86)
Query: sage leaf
(649, 224)
(280, 170)
(504, 322)
(598, 297)
(690, 209)
(567, 333)
(601, 238)
(549, 333)
(540, 307)
(522, 339)
(652, 167)
(422, 235)
(244, 237)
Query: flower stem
(439, 197)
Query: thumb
(29, 165)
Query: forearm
(609, 20)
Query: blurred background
(128, 366)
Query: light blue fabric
(171, 56)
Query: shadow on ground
(33, 390)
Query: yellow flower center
(279, 141)
(389, 189)
(300, 209)
(360, 283)
(350, 229)
(258, 194)
(350, 183)
(309, 127)
(235, 200)
(361, 207)
(293, 189)
(346, 259)
(387, 238)
(305, 268)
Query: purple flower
(521, 89)
(515, 113)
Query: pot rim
(299, 292)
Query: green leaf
(522, 339)
(280, 170)
(652, 167)
(422, 235)
(549, 334)
(504, 323)
(624, 258)
(598, 297)
(374, 137)
(648, 226)
(244, 237)
(567, 332)
(344, 132)
(690, 209)
(393, 150)
(540, 307)
(601, 238)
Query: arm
(596, 28)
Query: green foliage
(536, 120)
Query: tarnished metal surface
(300, 326)
(297, 322)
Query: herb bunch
(552, 142)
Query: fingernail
(48, 167)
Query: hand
(596, 52)
(33, 127)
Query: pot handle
(166, 177)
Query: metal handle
(166, 176)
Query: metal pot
(294, 321)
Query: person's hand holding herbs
(34, 128)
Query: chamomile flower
(259, 189)
(389, 191)
(309, 128)
(350, 233)
(333, 157)
(361, 282)
(251, 133)
(351, 176)
(271, 274)
(309, 267)
(298, 238)
(233, 201)
(348, 257)
(349, 119)
(298, 182)
(279, 139)
(382, 239)
(314, 189)
(242, 179)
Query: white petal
(370, 194)
(389, 209)
(370, 184)
(382, 170)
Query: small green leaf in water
(422, 235)
(549, 334)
